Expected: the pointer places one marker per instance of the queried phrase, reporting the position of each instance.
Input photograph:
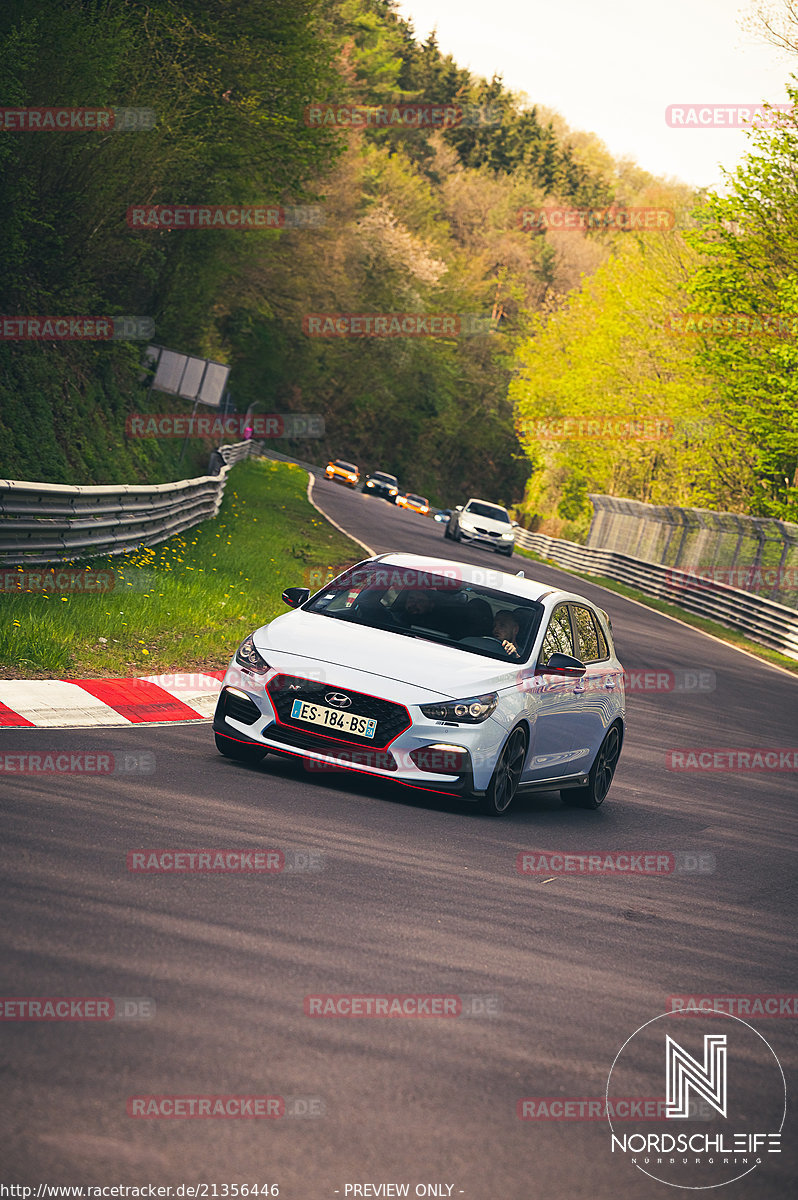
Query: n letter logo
(684, 1072)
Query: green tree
(749, 242)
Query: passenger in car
(476, 619)
(423, 609)
(368, 608)
(417, 603)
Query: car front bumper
(486, 539)
(246, 715)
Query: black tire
(446, 533)
(506, 553)
(238, 751)
(507, 772)
(594, 793)
(456, 535)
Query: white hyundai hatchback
(437, 675)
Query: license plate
(319, 714)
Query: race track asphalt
(412, 894)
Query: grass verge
(730, 636)
(188, 602)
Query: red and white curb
(87, 703)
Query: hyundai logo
(338, 699)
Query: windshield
(416, 499)
(383, 478)
(344, 466)
(478, 509)
(434, 608)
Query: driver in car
(505, 628)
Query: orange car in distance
(343, 471)
(415, 503)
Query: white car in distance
(482, 522)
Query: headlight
(393, 491)
(248, 656)
(369, 483)
(469, 712)
(508, 535)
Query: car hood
(311, 638)
(486, 523)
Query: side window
(604, 650)
(592, 643)
(558, 639)
(586, 634)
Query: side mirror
(516, 525)
(459, 508)
(562, 664)
(295, 597)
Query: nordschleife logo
(725, 1100)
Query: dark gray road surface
(415, 894)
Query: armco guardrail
(44, 523)
(763, 621)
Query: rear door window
(558, 639)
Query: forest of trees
(415, 220)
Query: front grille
(487, 532)
(354, 756)
(392, 719)
(239, 708)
